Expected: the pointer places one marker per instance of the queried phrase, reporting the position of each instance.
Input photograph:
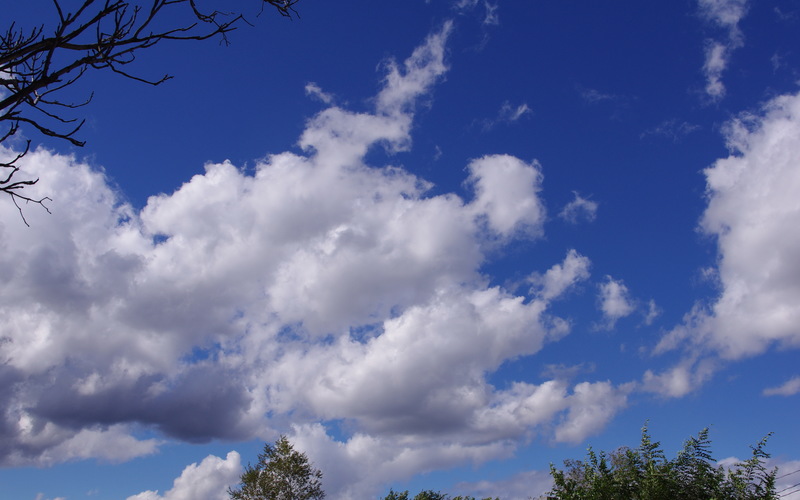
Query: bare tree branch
(98, 34)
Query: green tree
(281, 473)
(393, 495)
(427, 495)
(646, 474)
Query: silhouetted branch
(97, 34)
(11, 186)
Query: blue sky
(437, 244)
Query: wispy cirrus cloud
(653, 312)
(673, 129)
(507, 114)
(725, 14)
(788, 388)
(314, 90)
(578, 209)
(593, 95)
(490, 15)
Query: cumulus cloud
(386, 457)
(560, 277)
(578, 209)
(208, 480)
(488, 434)
(788, 388)
(114, 444)
(521, 486)
(752, 213)
(726, 15)
(506, 194)
(316, 288)
(592, 405)
(681, 379)
(615, 302)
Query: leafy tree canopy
(645, 473)
(281, 473)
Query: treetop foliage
(642, 473)
(645, 473)
(281, 473)
(428, 495)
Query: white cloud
(316, 288)
(453, 340)
(615, 302)
(788, 388)
(567, 372)
(753, 213)
(725, 14)
(490, 17)
(391, 457)
(579, 208)
(208, 480)
(673, 129)
(506, 194)
(653, 312)
(680, 380)
(419, 73)
(508, 114)
(562, 276)
(594, 95)
(675, 382)
(513, 114)
(314, 90)
(386, 458)
(717, 55)
(466, 4)
(521, 486)
(114, 444)
(787, 483)
(591, 406)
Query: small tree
(281, 473)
